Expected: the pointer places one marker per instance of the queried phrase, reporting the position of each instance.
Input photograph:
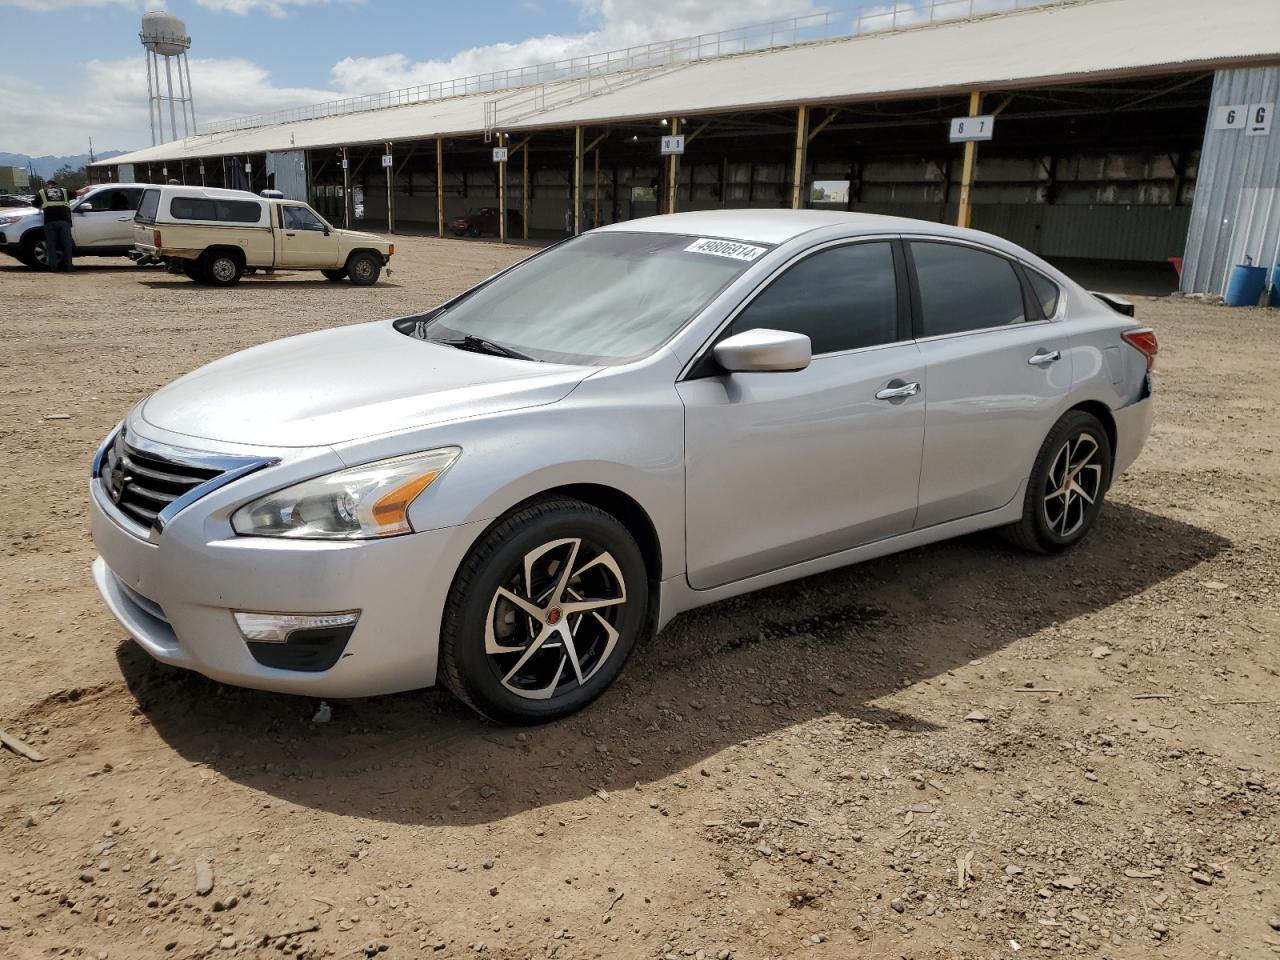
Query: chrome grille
(142, 483)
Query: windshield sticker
(725, 248)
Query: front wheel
(34, 254)
(544, 612)
(1068, 482)
(364, 269)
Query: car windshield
(601, 298)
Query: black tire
(363, 268)
(458, 233)
(335, 276)
(33, 252)
(473, 230)
(222, 268)
(194, 270)
(476, 612)
(1052, 521)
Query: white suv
(101, 225)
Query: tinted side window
(202, 208)
(149, 206)
(962, 288)
(841, 298)
(1047, 292)
(300, 218)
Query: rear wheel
(544, 612)
(194, 270)
(1068, 482)
(222, 269)
(363, 268)
(336, 276)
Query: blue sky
(84, 75)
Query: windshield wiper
(481, 345)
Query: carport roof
(1092, 40)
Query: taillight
(155, 238)
(1144, 341)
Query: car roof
(777, 226)
(213, 193)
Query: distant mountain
(45, 166)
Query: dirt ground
(961, 751)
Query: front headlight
(360, 503)
(5, 221)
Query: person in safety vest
(55, 201)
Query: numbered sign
(248, 167)
(673, 145)
(964, 129)
(386, 160)
(202, 169)
(1231, 117)
(499, 154)
(1259, 121)
(344, 163)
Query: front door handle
(1044, 358)
(897, 390)
(123, 219)
(290, 234)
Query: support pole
(191, 97)
(802, 144)
(577, 180)
(440, 187)
(502, 193)
(391, 207)
(965, 218)
(173, 114)
(346, 190)
(673, 169)
(182, 92)
(151, 101)
(524, 192)
(595, 192)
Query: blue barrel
(1245, 287)
(1275, 286)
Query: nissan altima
(508, 492)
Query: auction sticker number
(725, 248)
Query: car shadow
(265, 281)
(717, 677)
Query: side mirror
(327, 231)
(85, 208)
(764, 351)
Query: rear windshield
(149, 206)
(601, 298)
(223, 211)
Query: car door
(998, 373)
(104, 219)
(787, 467)
(305, 239)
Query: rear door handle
(1044, 358)
(897, 389)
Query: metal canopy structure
(1082, 42)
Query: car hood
(348, 383)
(358, 235)
(19, 211)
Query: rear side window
(1047, 292)
(841, 299)
(223, 211)
(962, 288)
(149, 206)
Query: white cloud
(616, 24)
(276, 8)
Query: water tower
(164, 37)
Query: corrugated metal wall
(1237, 205)
(290, 169)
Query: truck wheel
(222, 269)
(336, 276)
(194, 270)
(363, 268)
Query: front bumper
(175, 595)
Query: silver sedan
(510, 491)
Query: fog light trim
(261, 627)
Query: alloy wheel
(553, 623)
(40, 252)
(1073, 484)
